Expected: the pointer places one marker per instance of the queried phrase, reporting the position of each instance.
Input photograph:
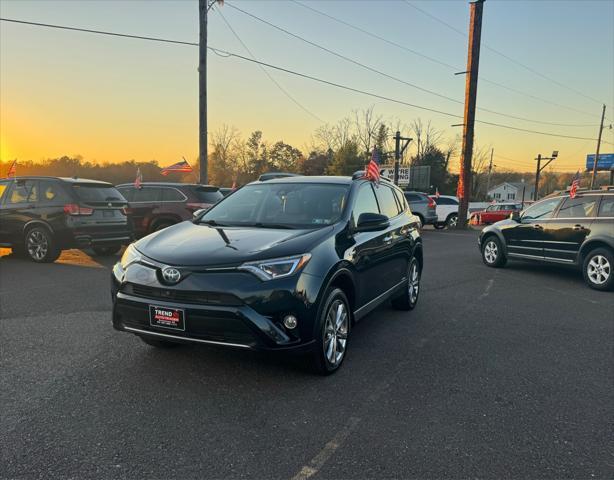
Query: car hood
(192, 244)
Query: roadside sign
(606, 161)
(404, 174)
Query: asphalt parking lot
(497, 373)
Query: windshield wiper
(271, 225)
(213, 223)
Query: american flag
(12, 169)
(437, 192)
(139, 178)
(372, 171)
(573, 191)
(182, 166)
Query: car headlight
(131, 255)
(276, 267)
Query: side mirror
(371, 222)
(515, 215)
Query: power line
(265, 71)
(379, 72)
(228, 54)
(456, 69)
(507, 57)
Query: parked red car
(157, 205)
(495, 212)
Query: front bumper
(232, 309)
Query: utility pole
(398, 151)
(203, 9)
(492, 152)
(539, 169)
(598, 147)
(471, 89)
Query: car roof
(307, 179)
(166, 184)
(62, 179)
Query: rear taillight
(198, 206)
(125, 211)
(431, 202)
(74, 209)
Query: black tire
(598, 269)
(328, 340)
(409, 298)
(439, 225)
(108, 250)
(452, 220)
(40, 246)
(161, 226)
(154, 342)
(492, 252)
(421, 221)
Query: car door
(566, 232)
(369, 247)
(19, 208)
(525, 239)
(143, 205)
(4, 187)
(393, 258)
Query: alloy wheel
(413, 282)
(599, 269)
(453, 221)
(336, 332)
(491, 251)
(37, 244)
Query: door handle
(578, 227)
(538, 227)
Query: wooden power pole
(471, 89)
(203, 8)
(598, 148)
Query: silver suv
(422, 206)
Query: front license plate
(172, 318)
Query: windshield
(281, 205)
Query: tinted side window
(540, 210)
(400, 199)
(413, 197)
(147, 194)
(365, 202)
(208, 194)
(607, 206)
(172, 195)
(444, 201)
(387, 202)
(579, 207)
(21, 192)
(52, 192)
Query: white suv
(447, 211)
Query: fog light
(290, 322)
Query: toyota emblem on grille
(171, 275)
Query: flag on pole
(181, 167)
(12, 170)
(575, 184)
(437, 192)
(372, 171)
(139, 179)
(234, 185)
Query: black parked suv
(41, 216)
(287, 264)
(561, 230)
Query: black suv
(41, 216)
(157, 205)
(285, 264)
(562, 230)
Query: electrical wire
(264, 70)
(507, 57)
(228, 54)
(456, 69)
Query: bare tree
(426, 137)
(367, 125)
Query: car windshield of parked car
(281, 205)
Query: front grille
(182, 296)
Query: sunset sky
(113, 99)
